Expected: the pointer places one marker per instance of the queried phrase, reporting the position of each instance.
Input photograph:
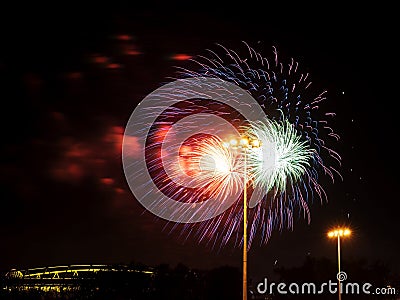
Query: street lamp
(245, 143)
(338, 233)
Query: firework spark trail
(284, 173)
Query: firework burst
(283, 159)
(188, 162)
(295, 135)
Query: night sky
(71, 77)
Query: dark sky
(71, 76)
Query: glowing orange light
(339, 232)
(113, 66)
(119, 191)
(107, 181)
(181, 57)
(346, 232)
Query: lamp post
(338, 233)
(244, 144)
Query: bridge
(67, 277)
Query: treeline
(183, 283)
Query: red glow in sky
(181, 56)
